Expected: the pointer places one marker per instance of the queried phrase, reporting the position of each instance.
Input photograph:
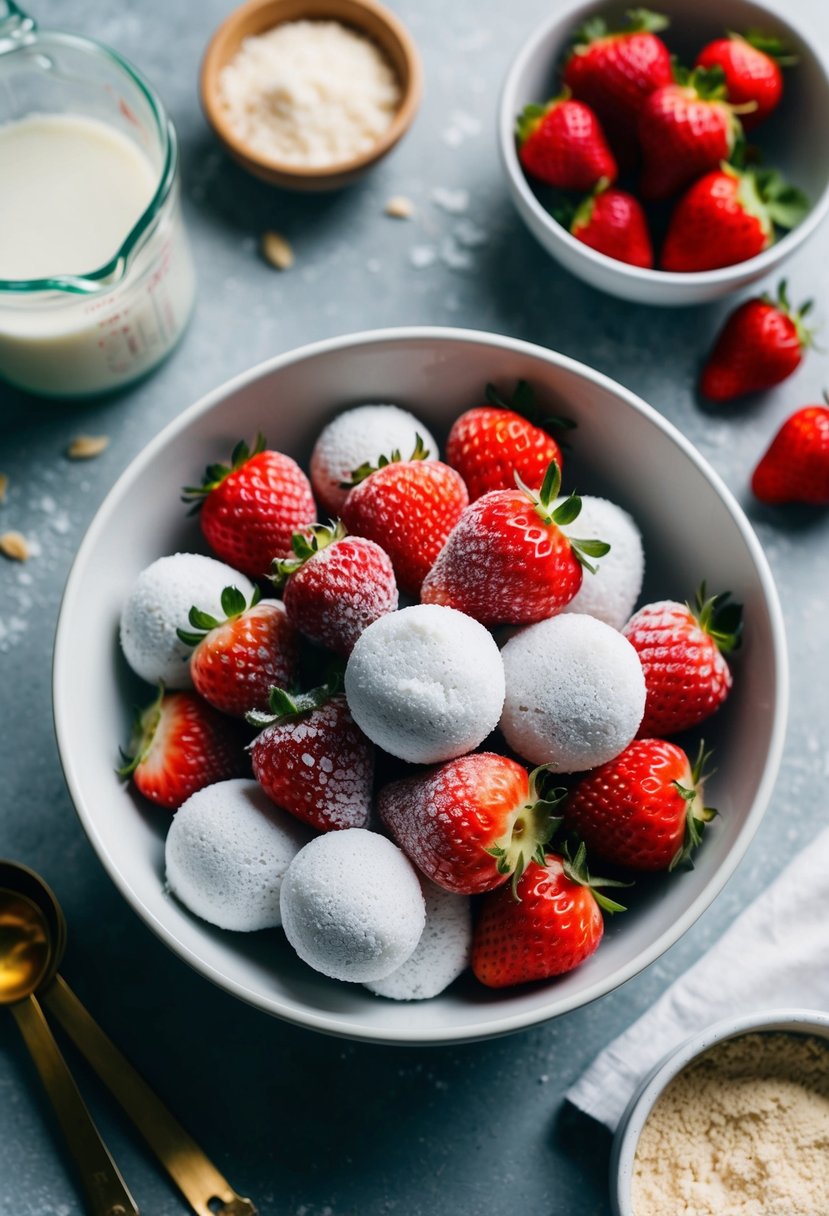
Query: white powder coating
(575, 693)
(309, 93)
(226, 854)
(442, 953)
(352, 906)
(160, 602)
(611, 593)
(742, 1130)
(359, 435)
(426, 683)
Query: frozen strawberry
(237, 659)
(751, 65)
(760, 345)
(180, 745)
(550, 925)
(796, 466)
(472, 823)
(562, 144)
(644, 809)
(613, 223)
(250, 509)
(489, 444)
(507, 561)
(407, 507)
(312, 760)
(335, 586)
(682, 651)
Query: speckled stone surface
(311, 1126)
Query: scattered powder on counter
(453, 201)
(309, 93)
(741, 1131)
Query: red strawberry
(643, 809)
(488, 445)
(180, 745)
(761, 343)
(250, 510)
(681, 651)
(796, 466)
(614, 73)
(553, 925)
(685, 130)
(562, 144)
(336, 586)
(237, 660)
(408, 508)
(751, 66)
(312, 760)
(507, 560)
(471, 823)
(613, 223)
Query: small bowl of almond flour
(734, 1122)
(308, 94)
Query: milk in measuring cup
(73, 188)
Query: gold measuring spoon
(201, 1184)
(27, 959)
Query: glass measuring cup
(75, 334)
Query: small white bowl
(793, 140)
(624, 449)
(623, 1154)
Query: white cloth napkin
(774, 955)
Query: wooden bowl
(256, 17)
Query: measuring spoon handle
(105, 1189)
(201, 1184)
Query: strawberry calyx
(305, 545)
(530, 117)
(575, 868)
(721, 620)
(785, 205)
(532, 826)
(215, 474)
(420, 452)
(583, 213)
(523, 401)
(543, 501)
(638, 21)
(143, 732)
(805, 336)
(285, 705)
(707, 83)
(770, 45)
(233, 605)
(697, 815)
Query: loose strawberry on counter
(760, 345)
(644, 809)
(796, 466)
(562, 144)
(682, 651)
(237, 660)
(613, 223)
(250, 509)
(751, 65)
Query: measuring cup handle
(14, 25)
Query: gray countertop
(307, 1125)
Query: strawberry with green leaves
(751, 65)
(644, 809)
(613, 223)
(562, 144)
(508, 560)
(760, 345)
(796, 466)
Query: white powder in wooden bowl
(309, 93)
(742, 1131)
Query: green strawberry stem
(721, 620)
(421, 452)
(544, 503)
(696, 813)
(770, 45)
(523, 402)
(707, 83)
(639, 21)
(144, 728)
(233, 605)
(805, 335)
(215, 474)
(305, 545)
(285, 705)
(576, 870)
(532, 827)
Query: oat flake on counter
(309, 93)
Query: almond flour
(742, 1131)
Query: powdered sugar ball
(226, 854)
(611, 593)
(160, 602)
(442, 953)
(575, 693)
(357, 436)
(351, 905)
(425, 683)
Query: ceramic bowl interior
(622, 448)
(256, 17)
(792, 1021)
(792, 140)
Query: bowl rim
(63, 708)
(213, 61)
(735, 275)
(788, 1019)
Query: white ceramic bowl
(793, 140)
(795, 1021)
(693, 529)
